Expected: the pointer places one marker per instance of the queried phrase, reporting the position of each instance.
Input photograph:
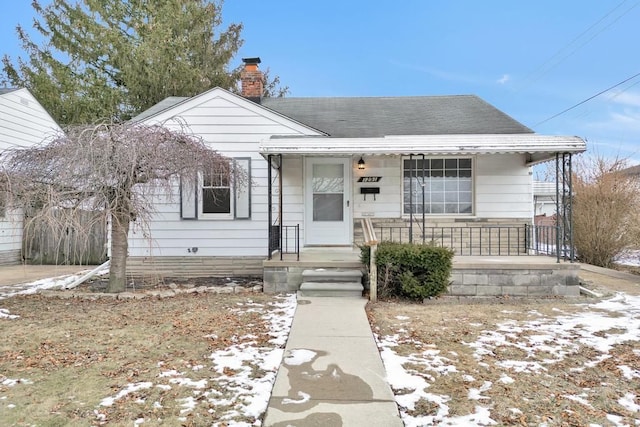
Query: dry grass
(540, 396)
(75, 353)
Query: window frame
(192, 195)
(201, 201)
(444, 169)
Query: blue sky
(531, 59)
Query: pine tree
(111, 59)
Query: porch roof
(538, 148)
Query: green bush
(409, 270)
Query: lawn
(193, 359)
(211, 359)
(550, 362)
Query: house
(23, 123)
(319, 166)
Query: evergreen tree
(111, 59)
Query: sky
(530, 59)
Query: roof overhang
(537, 148)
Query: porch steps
(331, 282)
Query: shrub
(409, 270)
(606, 208)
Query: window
(438, 185)
(216, 196)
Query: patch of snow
(580, 399)
(48, 283)
(130, 388)
(250, 394)
(476, 393)
(403, 317)
(8, 382)
(4, 314)
(304, 397)
(481, 417)
(629, 257)
(186, 382)
(628, 402)
(188, 404)
(506, 379)
(298, 356)
(628, 372)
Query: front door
(327, 201)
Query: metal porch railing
(285, 239)
(492, 240)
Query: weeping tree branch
(115, 171)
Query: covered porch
(489, 225)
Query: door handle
(347, 203)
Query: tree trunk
(119, 250)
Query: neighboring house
(320, 165)
(544, 198)
(23, 123)
(633, 170)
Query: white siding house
(23, 123)
(329, 162)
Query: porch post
(410, 199)
(570, 207)
(558, 214)
(423, 213)
(269, 205)
(280, 213)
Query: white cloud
(505, 78)
(627, 98)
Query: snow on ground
(34, 287)
(600, 326)
(629, 257)
(247, 394)
(59, 282)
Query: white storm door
(327, 201)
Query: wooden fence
(68, 238)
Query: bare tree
(606, 208)
(114, 170)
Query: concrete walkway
(332, 374)
(25, 273)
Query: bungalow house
(23, 123)
(453, 169)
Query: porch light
(361, 164)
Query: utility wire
(564, 53)
(588, 99)
(541, 69)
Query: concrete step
(334, 275)
(330, 289)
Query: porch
(477, 276)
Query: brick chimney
(251, 79)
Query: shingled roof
(379, 116)
(359, 117)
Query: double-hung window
(439, 186)
(216, 195)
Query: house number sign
(369, 178)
